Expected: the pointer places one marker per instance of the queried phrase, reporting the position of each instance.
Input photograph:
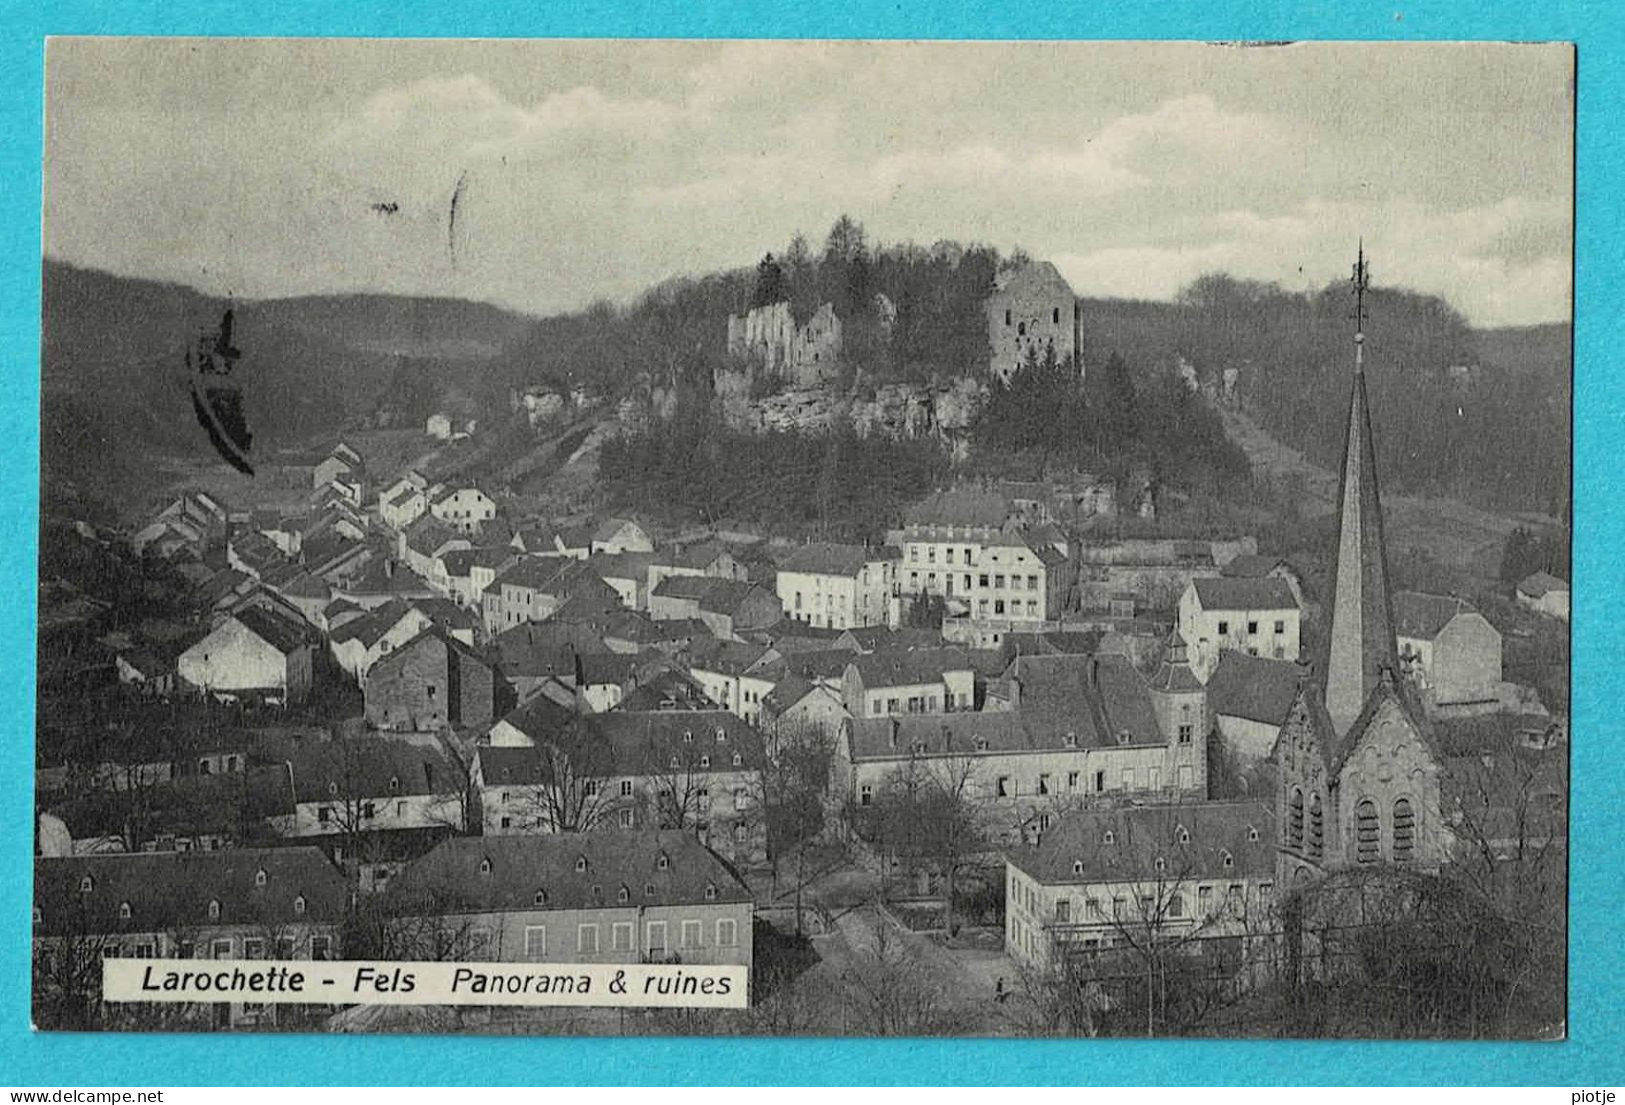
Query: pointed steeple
(1359, 642)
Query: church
(1357, 763)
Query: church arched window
(1317, 827)
(1404, 831)
(1367, 832)
(1294, 819)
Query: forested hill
(1482, 415)
(114, 386)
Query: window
(1252, 627)
(1184, 835)
(1176, 905)
(657, 937)
(1032, 583)
(220, 949)
(1367, 832)
(581, 863)
(662, 861)
(627, 818)
(322, 814)
(485, 866)
(1007, 316)
(624, 894)
(259, 877)
(214, 910)
(1005, 790)
(727, 933)
(1204, 899)
(1159, 864)
(1119, 908)
(1109, 837)
(590, 788)
(507, 822)
(1224, 628)
(626, 788)
(620, 936)
(1128, 778)
(284, 947)
(1186, 731)
(86, 885)
(124, 911)
(1404, 831)
(587, 939)
(1294, 824)
(541, 897)
(1280, 626)
(1100, 781)
(1071, 780)
(691, 934)
(253, 947)
(110, 951)
(1229, 860)
(1077, 867)
(1252, 833)
(866, 795)
(1316, 828)
(299, 905)
(710, 892)
(1232, 898)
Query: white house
(1545, 594)
(838, 586)
(439, 426)
(250, 655)
(1447, 647)
(465, 508)
(1257, 615)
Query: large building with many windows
(989, 572)
(833, 586)
(610, 897)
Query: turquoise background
(1592, 1056)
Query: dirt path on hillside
(1445, 529)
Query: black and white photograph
(613, 537)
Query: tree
(572, 794)
(925, 813)
(796, 784)
(770, 283)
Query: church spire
(1360, 639)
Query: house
(536, 588)
(604, 679)
(627, 573)
(909, 681)
(432, 682)
(985, 572)
(735, 674)
(468, 572)
(1032, 312)
(427, 540)
(1080, 730)
(1249, 698)
(531, 654)
(439, 426)
(1255, 566)
(383, 581)
(1258, 616)
(343, 461)
(696, 770)
(401, 506)
(838, 586)
(700, 558)
(623, 897)
(251, 656)
(464, 507)
(1134, 875)
(239, 903)
(1446, 647)
(252, 553)
(1544, 593)
(359, 644)
(729, 608)
(350, 786)
(619, 535)
(458, 622)
(797, 707)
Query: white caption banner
(363, 982)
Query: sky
(546, 175)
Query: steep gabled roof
(1253, 687)
(1425, 616)
(1244, 593)
(274, 631)
(828, 558)
(909, 666)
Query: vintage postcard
(805, 538)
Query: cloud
(592, 170)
